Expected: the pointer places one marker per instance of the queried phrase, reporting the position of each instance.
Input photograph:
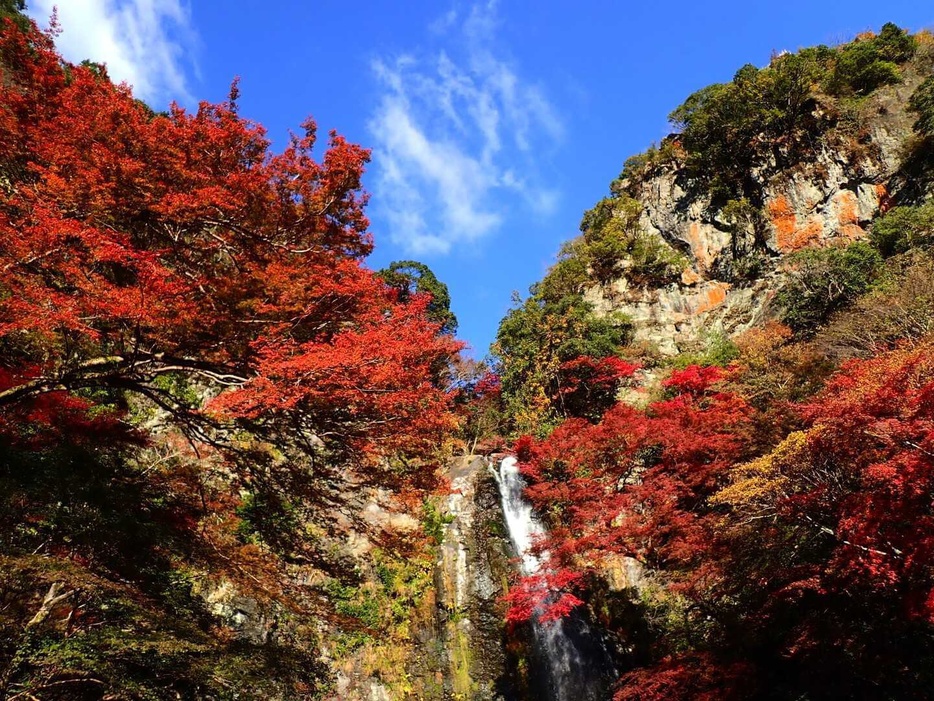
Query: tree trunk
(52, 598)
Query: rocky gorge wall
(454, 648)
(471, 579)
(401, 615)
(854, 171)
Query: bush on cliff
(824, 280)
(903, 229)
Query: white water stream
(524, 529)
(565, 667)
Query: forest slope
(726, 383)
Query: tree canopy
(411, 277)
(136, 245)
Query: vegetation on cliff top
(765, 118)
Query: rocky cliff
(471, 579)
(856, 164)
(451, 641)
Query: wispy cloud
(458, 135)
(146, 43)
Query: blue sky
(493, 125)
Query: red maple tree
(136, 244)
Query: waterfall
(574, 664)
(521, 523)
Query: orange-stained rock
(847, 205)
(785, 222)
(847, 208)
(852, 232)
(885, 200)
(789, 235)
(808, 234)
(712, 297)
(690, 277)
(699, 246)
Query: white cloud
(444, 22)
(452, 130)
(146, 43)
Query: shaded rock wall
(471, 579)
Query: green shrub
(823, 280)
(535, 337)
(614, 245)
(568, 276)
(433, 521)
(719, 349)
(904, 228)
(653, 263)
(267, 516)
(725, 128)
(864, 65)
(922, 103)
(608, 230)
(597, 336)
(179, 388)
(895, 44)
(635, 168)
(860, 70)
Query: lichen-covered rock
(472, 566)
(827, 197)
(623, 574)
(245, 615)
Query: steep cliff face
(851, 171)
(471, 579)
(447, 641)
(767, 270)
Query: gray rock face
(624, 574)
(470, 580)
(828, 198)
(244, 614)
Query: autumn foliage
(806, 568)
(587, 386)
(546, 596)
(193, 360)
(136, 244)
(665, 460)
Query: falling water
(575, 663)
(521, 523)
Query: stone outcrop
(471, 579)
(457, 648)
(850, 174)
